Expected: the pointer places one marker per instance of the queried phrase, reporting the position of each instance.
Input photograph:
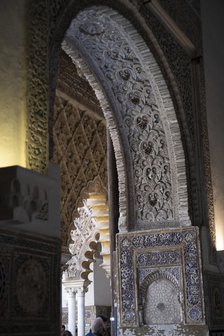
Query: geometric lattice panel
(80, 150)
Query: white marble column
(81, 311)
(71, 309)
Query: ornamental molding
(91, 238)
(150, 135)
(84, 246)
(181, 249)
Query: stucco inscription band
(164, 255)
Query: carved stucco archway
(90, 238)
(140, 116)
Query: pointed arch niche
(140, 117)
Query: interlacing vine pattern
(140, 111)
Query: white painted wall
(102, 289)
(213, 41)
(89, 298)
(64, 297)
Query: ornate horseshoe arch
(143, 125)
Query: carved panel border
(37, 85)
(159, 242)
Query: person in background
(67, 333)
(62, 329)
(98, 327)
(90, 333)
(106, 325)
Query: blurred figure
(98, 327)
(89, 333)
(106, 325)
(67, 333)
(62, 329)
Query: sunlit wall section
(220, 235)
(12, 83)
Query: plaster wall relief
(28, 201)
(160, 264)
(150, 135)
(160, 308)
(37, 86)
(60, 12)
(85, 245)
(189, 94)
(80, 150)
(90, 238)
(29, 300)
(214, 285)
(160, 292)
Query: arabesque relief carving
(141, 111)
(37, 62)
(80, 151)
(37, 86)
(84, 244)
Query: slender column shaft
(81, 312)
(71, 311)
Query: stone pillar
(81, 311)
(71, 309)
(29, 240)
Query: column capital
(74, 285)
(71, 291)
(81, 291)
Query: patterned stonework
(139, 105)
(80, 150)
(26, 196)
(214, 285)
(160, 308)
(72, 82)
(29, 284)
(84, 245)
(4, 283)
(58, 14)
(146, 257)
(37, 86)
(188, 74)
